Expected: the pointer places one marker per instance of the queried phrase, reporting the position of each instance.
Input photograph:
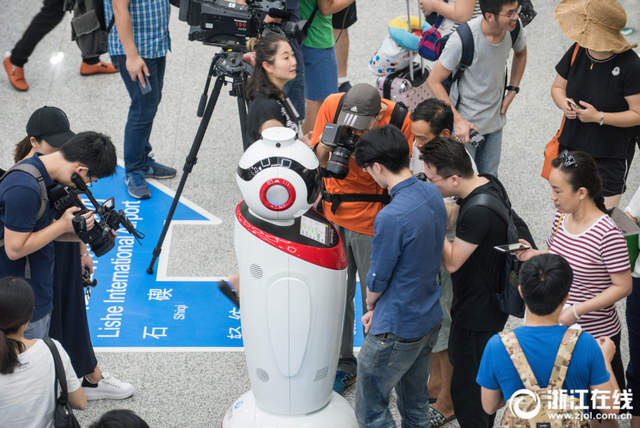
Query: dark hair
(493, 6)
(448, 156)
(583, 173)
(545, 281)
(120, 418)
(23, 148)
(93, 150)
(386, 145)
(16, 309)
(436, 113)
(259, 83)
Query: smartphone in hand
(147, 86)
(511, 248)
(574, 104)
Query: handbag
(552, 149)
(431, 41)
(63, 415)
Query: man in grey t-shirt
(480, 91)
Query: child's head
(545, 281)
(16, 309)
(120, 418)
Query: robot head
(278, 176)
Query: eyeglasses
(364, 168)
(567, 159)
(511, 14)
(440, 179)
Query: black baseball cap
(50, 124)
(361, 104)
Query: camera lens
(338, 165)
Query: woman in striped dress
(585, 235)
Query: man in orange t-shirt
(362, 110)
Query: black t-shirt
(262, 109)
(604, 86)
(473, 307)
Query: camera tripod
(226, 64)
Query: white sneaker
(109, 387)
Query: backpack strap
(398, 115)
(468, 47)
(35, 173)
(515, 33)
(565, 351)
(339, 109)
(519, 360)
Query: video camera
(343, 140)
(99, 237)
(225, 24)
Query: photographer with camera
(352, 198)
(69, 324)
(27, 217)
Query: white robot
(293, 289)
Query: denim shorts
(320, 73)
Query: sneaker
(156, 170)
(137, 185)
(99, 68)
(108, 387)
(16, 75)
(343, 380)
(344, 87)
(230, 292)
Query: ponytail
(23, 148)
(16, 309)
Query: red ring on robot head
(280, 183)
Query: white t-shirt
(26, 395)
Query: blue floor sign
(132, 309)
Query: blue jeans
(294, 90)
(487, 156)
(142, 111)
(386, 361)
(38, 329)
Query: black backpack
(509, 300)
(468, 47)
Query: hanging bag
(63, 415)
(552, 149)
(431, 42)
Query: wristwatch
(513, 88)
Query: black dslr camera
(223, 23)
(343, 141)
(99, 237)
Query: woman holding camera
(27, 370)
(69, 323)
(275, 65)
(598, 89)
(586, 236)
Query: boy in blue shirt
(404, 314)
(545, 281)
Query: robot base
(244, 413)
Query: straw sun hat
(594, 24)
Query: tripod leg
(242, 112)
(191, 160)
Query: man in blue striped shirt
(404, 313)
(138, 46)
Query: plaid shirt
(150, 23)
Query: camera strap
(307, 24)
(335, 199)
